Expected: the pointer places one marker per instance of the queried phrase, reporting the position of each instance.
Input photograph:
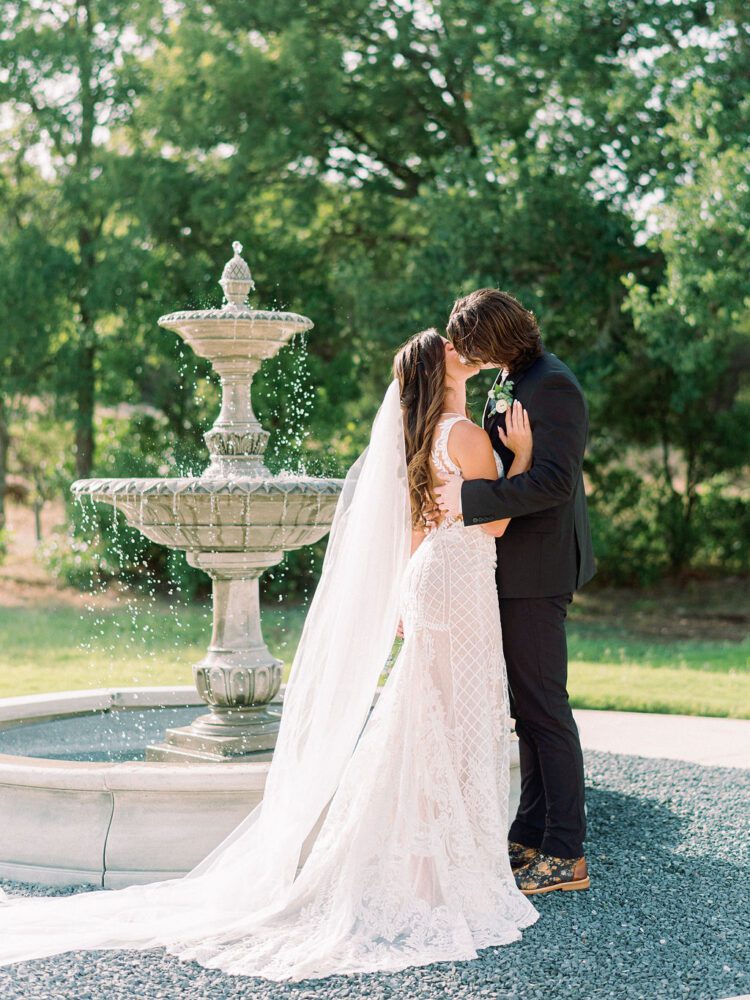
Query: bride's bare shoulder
(468, 442)
(467, 433)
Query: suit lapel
(487, 416)
(492, 421)
(515, 378)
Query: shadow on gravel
(667, 916)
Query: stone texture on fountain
(242, 514)
(233, 521)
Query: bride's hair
(419, 367)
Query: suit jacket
(546, 549)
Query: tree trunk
(84, 421)
(4, 445)
(38, 505)
(85, 375)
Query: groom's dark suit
(544, 555)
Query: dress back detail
(444, 464)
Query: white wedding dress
(410, 865)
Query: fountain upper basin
(235, 331)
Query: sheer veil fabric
(410, 864)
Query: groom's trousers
(551, 813)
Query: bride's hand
(517, 436)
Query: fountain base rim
(124, 823)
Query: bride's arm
(418, 535)
(471, 449)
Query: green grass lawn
(59, 647)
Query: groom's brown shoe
(547, 873)
(520, 855)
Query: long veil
(345, 642)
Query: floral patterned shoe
(547, 873)
(520, 855)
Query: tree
(376, 161)
(380, 160)
(34, 280)
(683, 375)
(71, 74)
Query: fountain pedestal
(238, 677)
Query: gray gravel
(667, 916)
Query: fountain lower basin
(233, 529)
(262, 515)
(112, 823)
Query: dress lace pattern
(411, 863)
(444, 464)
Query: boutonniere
(501, 396)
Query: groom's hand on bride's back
(432, 514)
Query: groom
(543, 557)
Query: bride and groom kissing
(383, 838)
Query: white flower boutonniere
(501, 396)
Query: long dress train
(411, 866)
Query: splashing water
(289, 398)
(130, 626)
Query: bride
(405, 807)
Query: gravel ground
(667, 916)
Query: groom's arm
(560, 426)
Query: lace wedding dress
(410, 865)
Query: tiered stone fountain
(79, 803)
(234, 521)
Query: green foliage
(377, 161)
(636, 526)
(629, 541)
(78, 562)
(688, 350)
(723, 529)
(5, 537)
(40, 451)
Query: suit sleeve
(559, 420)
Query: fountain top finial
(236, 279)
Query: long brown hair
(490, 326)
(419, 367)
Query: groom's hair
(492, 327)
